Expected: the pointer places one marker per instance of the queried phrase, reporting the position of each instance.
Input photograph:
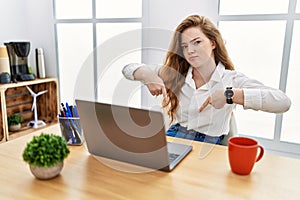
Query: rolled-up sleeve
(268, 100)
(129, 70)
(257, 96)
(252, 99)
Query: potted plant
(14, 122)
(45, 155)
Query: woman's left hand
(216, 99)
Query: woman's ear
(213, 44)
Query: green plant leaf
(14, 119)
(46, 150)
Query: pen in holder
(71, 130)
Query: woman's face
(197, 48)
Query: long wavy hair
(175, 67)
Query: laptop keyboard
(172, 157)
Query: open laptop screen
(126, 134)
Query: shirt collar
(216, 77)
(218, 73)
(189, 78)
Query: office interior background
(262, 37)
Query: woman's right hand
(153, 82)
(156, 87)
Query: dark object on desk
(130, 135)
(4, 78)
(70, 124)
(71, 130)
(18, 59)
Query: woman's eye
(184, 46)
(197, 43)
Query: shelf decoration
(35, 123)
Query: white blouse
(212, 121)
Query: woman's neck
(202, 75)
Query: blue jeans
(176, 130)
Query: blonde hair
(175, 67)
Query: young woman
(200, 86)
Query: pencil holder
(71, 130)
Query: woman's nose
(190, 49)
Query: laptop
(131, 135)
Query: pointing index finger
(204, 105)
(164, 93)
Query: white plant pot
(14, 127)
(46, 173)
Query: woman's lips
(192, 57)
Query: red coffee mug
(242, 153)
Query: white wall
(166, 15)
(169, 13)
(41, 32)
(30, 20)
(13, 20)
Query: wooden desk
(85, 177)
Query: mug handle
(261, 153)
